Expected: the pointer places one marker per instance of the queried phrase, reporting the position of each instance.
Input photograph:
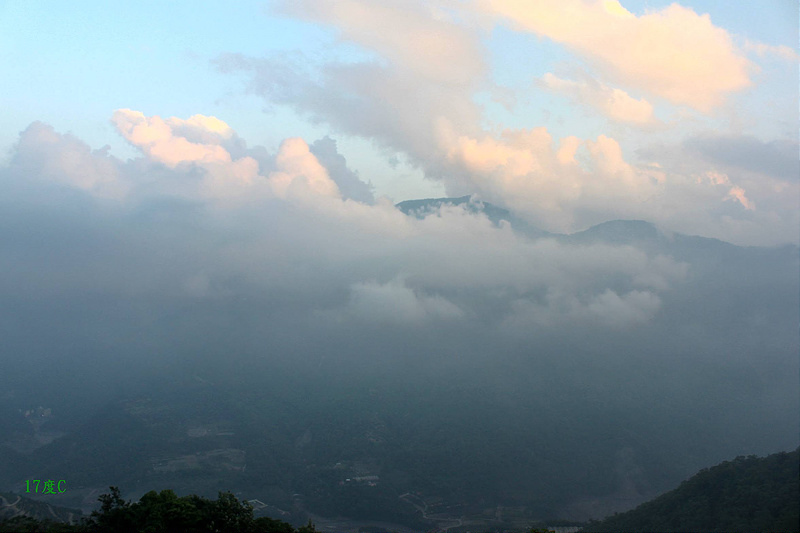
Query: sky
(569, 113)
(201, 180)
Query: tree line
(163, 511)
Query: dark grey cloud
(348, 181)
(777, 158)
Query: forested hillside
(746, 494)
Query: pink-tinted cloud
(199, 142)
(571, 184)
(166, 141)
(735, 192)
(526, 171)
(412, 104)
(299, 170)
(413, 35)
(611, 102)
(673, 53)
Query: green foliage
(270, 525)
(164, 511)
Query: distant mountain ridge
(14, 505)
(421, 207)
(641, 233)
(612, 231)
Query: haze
(197, 193)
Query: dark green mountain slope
(746, 494)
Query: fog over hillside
(429, 264)
(446, 353)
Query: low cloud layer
(254, 264)
(283, 224)
(200, 223)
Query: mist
(627, 351)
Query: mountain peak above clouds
(472, 204)
(610, 232)
(640, 233)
